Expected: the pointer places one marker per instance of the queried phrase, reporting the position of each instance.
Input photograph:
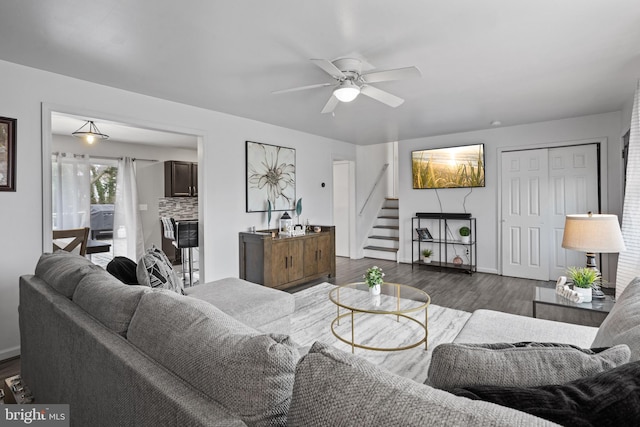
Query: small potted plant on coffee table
(583, 279)
(426, 253)
(373, 279)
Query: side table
(592, 312)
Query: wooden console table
(283, 262)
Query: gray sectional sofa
(131, 356)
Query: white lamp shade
(347, 91)
(593, 233)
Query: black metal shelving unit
(445, 242)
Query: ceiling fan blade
(388, 75)
(382, 96)
(330, 105)
(329, 68)
(302, 88)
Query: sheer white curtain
(629, 260)
(128, 238)
(71, 185)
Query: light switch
(142, 207)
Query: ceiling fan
(350, 82)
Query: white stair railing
(378, 179)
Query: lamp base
(596, 293)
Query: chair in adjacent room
(69, 240)
(184, 236)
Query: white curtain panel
(629, 260)
(71, 186)
(127, 226)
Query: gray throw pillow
(519, 364)
(249, 373)
(334, 388)
(155, 270)
(622, 325)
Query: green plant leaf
(299, 207)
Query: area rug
(312, 322)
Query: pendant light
(89, 132)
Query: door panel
(310, 257)
(573, 170)
(553, 183)
(280, 260)
(525, 183)
(296, 260)
(324, 254)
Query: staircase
(384, 240)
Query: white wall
(483, 202)
(150, 175)
(221, 171)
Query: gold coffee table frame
(356, 299)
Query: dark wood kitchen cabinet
(180, 179)
(283, 262)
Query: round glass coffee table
(394, 300)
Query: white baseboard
(9, 353)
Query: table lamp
(592, 233)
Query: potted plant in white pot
(465, 234)
(426, 253)
(583, 279)
(373, 279)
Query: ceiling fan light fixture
(89, 132)
(347, 91)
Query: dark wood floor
(447, 288)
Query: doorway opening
(148, 147)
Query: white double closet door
(540, 187)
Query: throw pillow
(523, 364)
(250, 373)
(123, 269)
(610, 398)
(155, 270)
(334, 388)
(622, 325)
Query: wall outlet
(467, 251)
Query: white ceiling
(512, 61)
(65, 124)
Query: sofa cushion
(622, 324)
(252, 304)
(63, 270)
(334, 388)
(249, 373)
(108, 300)
(155, 270)
(488, 326)
(610, 398)
(521, 364)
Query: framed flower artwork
(271, 175)
(7, 154)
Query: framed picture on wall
(424, 235)
(7, 154)
(271, 175)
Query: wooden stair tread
(381, 248)
(388, 217)
(397, 239)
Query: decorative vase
(375, 300)
(374, 290)
(465, 239)
(427, 260)
(457, 261)
(584, 292)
